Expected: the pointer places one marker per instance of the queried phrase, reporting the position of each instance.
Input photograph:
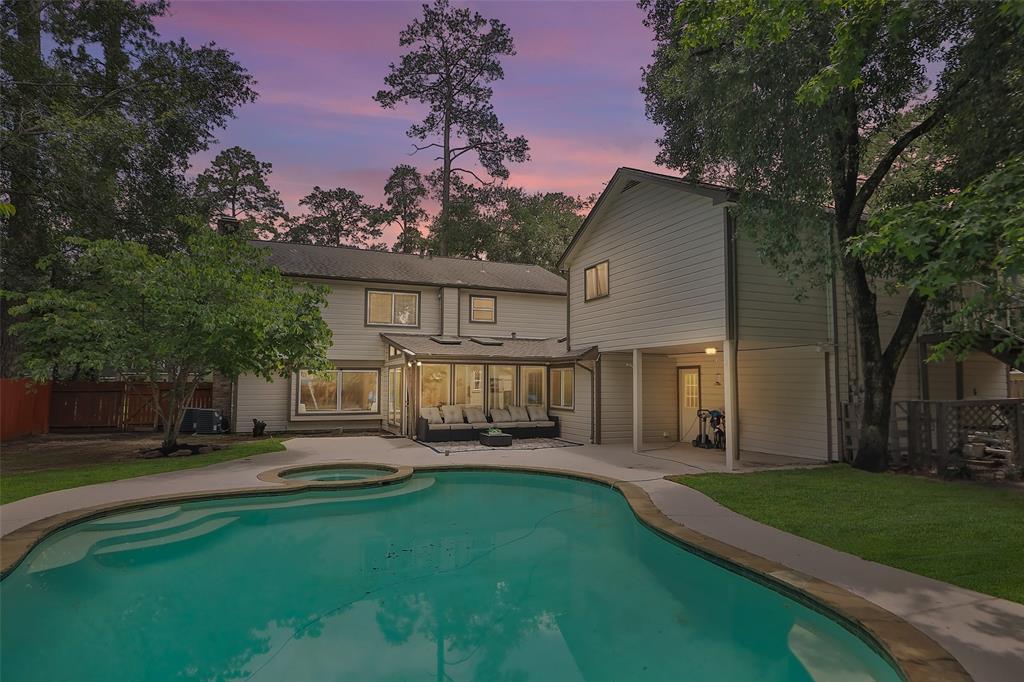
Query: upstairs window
(483, 309)
(393, 308)
(595, 281)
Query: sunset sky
(572, 89)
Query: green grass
(967, 534)
(18, 486)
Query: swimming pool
(454, 575)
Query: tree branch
(478, 178)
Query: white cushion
(475, 415)
(460, 427)
(519, 413)
(505, 425)
(439, 427)
(431, 414)
(452, 414)
(537, 413)
(542, 423)
(501, 416)
(481, 425)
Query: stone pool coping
(915, 656)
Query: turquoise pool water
(453, 576)
(337, 474)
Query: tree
(404, 194)
(336, 217)
(974, 236)
(235, 185)
(454, 56)
(99, 121)
(535, 227)
(812, 104)
(215, 306)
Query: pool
(454, 575)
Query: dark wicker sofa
(456, 426)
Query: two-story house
(685, 315)
(414, 330)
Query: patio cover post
(638, 401)
(732, 421)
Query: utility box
(203, 421)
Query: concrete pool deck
(982, 632)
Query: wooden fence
(113, 405)
(24, 408)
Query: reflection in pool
(452, 576)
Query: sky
(572, 89)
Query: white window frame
(339, 374)
(392, 293)
(556, 402)
(472, 309)
(607, 285)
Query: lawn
(967, 534)
(15, 486)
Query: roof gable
(626, 179)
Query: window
(393, 308)
(435, 385)
(531, 386)
(469, 381)
(501, 386)
(483, 309)
(691, 390)
(395, 398)
(340, 390)
(595, 281)
(562, 379)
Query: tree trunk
(446, 189)
(27, 235)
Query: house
(412, 331)
(684, 315)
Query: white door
(689, 403)
(396, 398)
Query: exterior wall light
(710, 350)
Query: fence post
(941, 437)
(1018, 436)
(913, 433)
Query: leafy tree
(453, 57)
(214, 307)
(336, 217)
(235, 185)
(974, 236)
(404, 194)
(534, 227)
(820, 103)
(99, 120)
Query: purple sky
(572, 89)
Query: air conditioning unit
(201, 421)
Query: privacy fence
(113, 405)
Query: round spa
(338, 472)
(458, 575)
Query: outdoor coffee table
(495, 440)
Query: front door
(689, 402)
(396, 398)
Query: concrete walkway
(985, 634)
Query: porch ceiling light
(710, 350)
(419, 364)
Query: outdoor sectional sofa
(454, 422)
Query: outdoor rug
(455, 446)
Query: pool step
(160, 525)
(191, 533)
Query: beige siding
(616, 398)
(768, 312)
(529, 315)
(666, 256)
(576, 423)
(450, 311)
(782, 402)
(984, 377)
(661, 399)
(345, 314)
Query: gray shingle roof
(425, 345)
(328, 262)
